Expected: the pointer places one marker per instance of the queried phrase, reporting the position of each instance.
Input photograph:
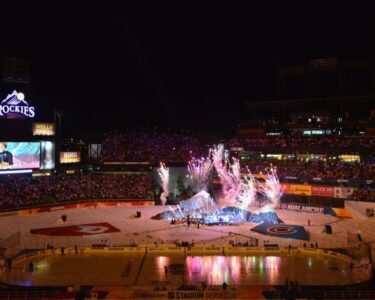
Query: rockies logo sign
(15, 105)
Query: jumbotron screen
(19, 155)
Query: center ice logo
(282, 229)
(88, 229)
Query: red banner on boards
(322, 191)
(285, 188)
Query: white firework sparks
(199, 173)
(271, 188)
(248, 192)
(229, 173)
(163, 172)
(239, 190)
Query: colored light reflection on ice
(272, 266)
(215, 269)
(240, 270)
(161, 262)
(309, 261)
(231, 269)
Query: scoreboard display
(26, 155)
(19, 155)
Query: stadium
(140, 228)
(187, 176)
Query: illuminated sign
(70, 157)
(44, 129)
(343, 192)
(16, 172)
(47, 155)
(237, 149)
(15, 106)
(300, 189)
(274, 156)
(350, 158)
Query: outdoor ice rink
(146, 230)
(114, 269)
(214, 269)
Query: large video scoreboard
(26, 143)
(17, 156)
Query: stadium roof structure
(355, 105)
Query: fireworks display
(199, 173)
(248, 192)
(240, 191)
(271, 188)
(163, 172)
(230, 176)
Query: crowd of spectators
(363, 194)
(26, 191)
(333, 169)
(302, 142)
(150, 145)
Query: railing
(323, 294)
(253, 239)
(36, 295)
(198, 248)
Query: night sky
(188, 64)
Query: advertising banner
(343, 192)
(45, 129)
(301, 208)
(70, 157)
(285, 188)
(19, 155)
(322, 191)
(300, 189)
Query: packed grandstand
(305, 142)
(26, 192)
(171, 146)
(310, 169)
(150, 145)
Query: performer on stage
(6, 158)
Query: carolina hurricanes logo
(281, 230)
(92, 229)
(77, 230)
